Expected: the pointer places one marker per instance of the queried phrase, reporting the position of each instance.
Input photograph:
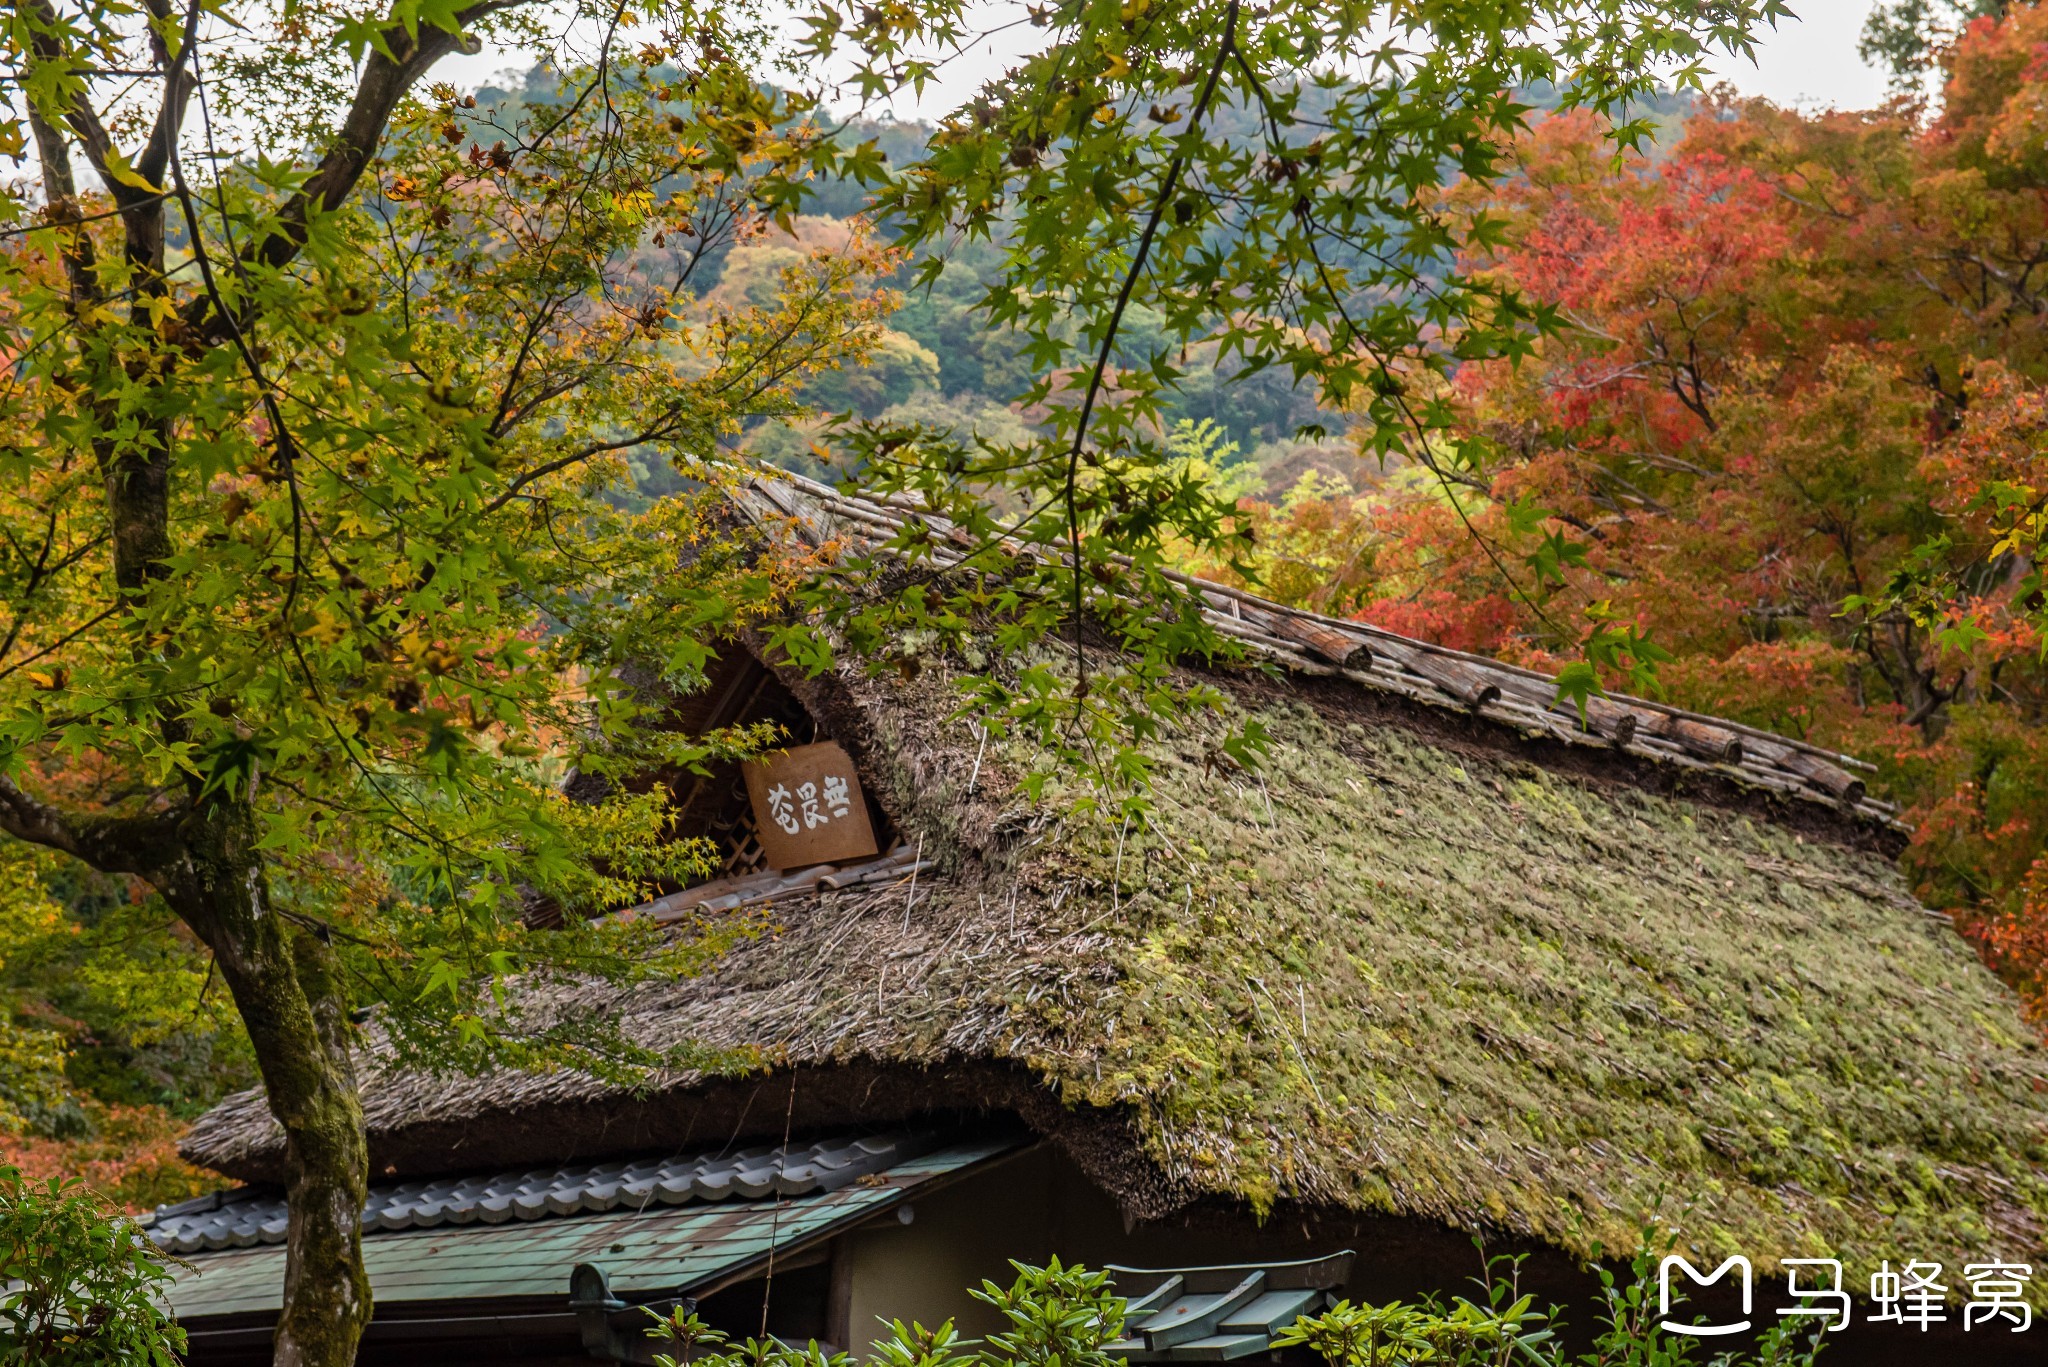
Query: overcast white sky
(1812, 62)
(1809, 62)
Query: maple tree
(320, 562)
(1907, 37)
(1173, 184)
(1791, 432)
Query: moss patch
(1393, 976)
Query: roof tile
(248, 1216)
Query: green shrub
(78, 1284)
(1062, 1316)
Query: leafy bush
(1062, 1316)
(1058, 1316)
(1509, 1329)
(79, 1282)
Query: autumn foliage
(1795, 431)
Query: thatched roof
(1452, 959)
(1308, 643)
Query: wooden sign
(808, 807)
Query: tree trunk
(286, 983)
(202, 855)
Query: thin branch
(60, 642)
(576, 457)
(287, 450)
(384, 82)
(1116, 317)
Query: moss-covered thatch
(1395, 977)
(1421, 963)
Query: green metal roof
(1220, 1314)
(661, 1251)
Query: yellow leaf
(326, 628)
(120, 170)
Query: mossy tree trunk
(203, 858)
(195, 838)
(286, 984)
(197, 844)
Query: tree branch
(382, 85)
(140, 845)
(60, 191)
(179, 83)
(576, 457)
(1071, 487)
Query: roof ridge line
(1373, 633)
(1305, 640)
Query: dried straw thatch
(1426, 962)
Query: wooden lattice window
(733, 832)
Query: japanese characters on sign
(1913, 1296)
(808, 807)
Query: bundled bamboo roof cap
(1445, 955)
(1383, 661)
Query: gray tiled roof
(248, 1215)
